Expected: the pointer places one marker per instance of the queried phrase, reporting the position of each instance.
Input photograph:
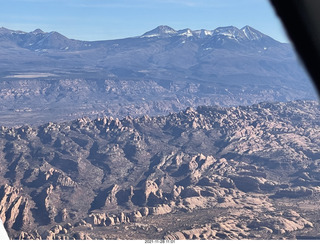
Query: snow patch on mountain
(246, 33)
(251, 33)
(185, 32)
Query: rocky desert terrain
(246, 172)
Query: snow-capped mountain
(225, 66)
(39, 40)
(187, 53)
(246, 33)
(160, 31)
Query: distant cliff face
(204, 173)
(48, 77)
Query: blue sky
(112, 19)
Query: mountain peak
(38, 31)
(162, 30)
(229, 32)
(251, 33)
(185, 32)
(3, 30)
(7, 31)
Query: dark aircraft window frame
(302, 21)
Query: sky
(92, 20)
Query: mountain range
(161, 71)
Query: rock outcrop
(238, 165)
(14, 209)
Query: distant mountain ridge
(247, 33)
(37, 39)
(167, 69)
(54, 40)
